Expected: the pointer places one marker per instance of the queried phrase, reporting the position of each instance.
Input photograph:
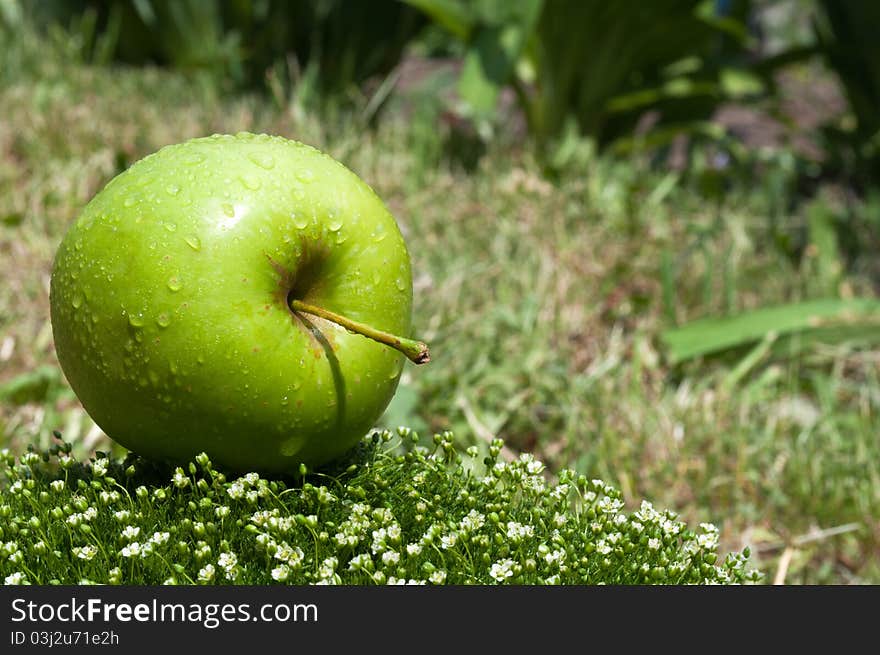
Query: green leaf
(828, 319)
(492, 58)
(456, 17)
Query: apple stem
(416, 351)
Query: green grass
(543, 303)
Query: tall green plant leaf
(495, 49)
(832, 319)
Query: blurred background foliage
(645, 234)
(621, 76)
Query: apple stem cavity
(416, 351)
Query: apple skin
(169, 304)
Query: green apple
(237, 295)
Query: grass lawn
(543, 302)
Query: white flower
(99, 467)
(533, 466)
(390, 557)
(122, 515)
(109, 497)
(708, 541)
(502, 569)
(130, 532)
(647, 513)
(359, 562)
(437, 577)
(609, 505)
(206, 573)
(160, 538)
(555, 557)
(559, 492)
(131, 550)
(670, 527)
(393, 533)
(603, 548)
(517, 531)
(447, 541)
(413, 549)
(16, 578)
(227, 561)
(293, 556)
(327, 571)
(57, 485)
(235, 490)
(221, 512)
(472, 521)
(654, 543)
(85, 552)
(280, 573)
(179, 478)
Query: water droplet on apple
(335, 224)
(250, 182)
(228, 209)
(193, 242)
(163, 320)
(136, 320)
(399, 283)
(378, 236)
(128, 202)
(300, 221)
(174, 283)
(172, 189)
(263, 161)
(77, 301)
(341, 237)
(305, 175)
(171, 227)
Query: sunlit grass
(542, 301)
